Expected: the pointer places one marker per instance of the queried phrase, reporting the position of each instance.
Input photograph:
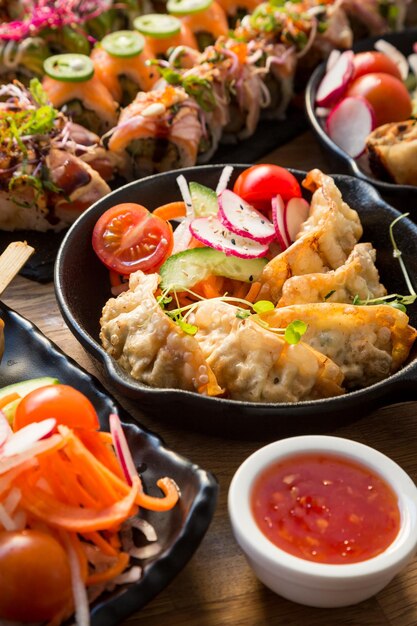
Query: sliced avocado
(204, 200)
(185, 269)
(23, 388)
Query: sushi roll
(205, 18)
(72, 87)
(120, 63)
(160, 131)
(162, 32)
(237, 9)
(44, 185)
(22, 60)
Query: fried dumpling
(256, 365)
(392, 152)
(368, 343)
(147, 344)
(324, 242)
(357, 277)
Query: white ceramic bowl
(320, 584)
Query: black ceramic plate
(29, 354)
(403, 197)
(82, 294)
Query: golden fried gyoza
(392, 152)
(324, 242)
(147, 344)
(368, 343)
(357, 277)
(255, 365)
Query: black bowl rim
(138, 390)
(311, 89)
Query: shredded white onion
(143, 525)
(132, 575)
(12, 500)
(412, 61)
(145, 552)
(6, 520)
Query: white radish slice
(278, 210)
(350, 123)
(23, 439)
(224, 179)
(394, 54)
(335, 81)
(241, 218)
(186, 196)
(5, 429)
(40, 447)
(332, 58)
(182, 236)
(211, 232)
(122, 449)
(295, 214)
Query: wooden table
(217, 587)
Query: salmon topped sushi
(163, 32)
(206, 19)
(120, 63)
(160, 131)
(72, 87)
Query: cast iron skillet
(404, 197)
(82, 288)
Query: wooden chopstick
(12, 260)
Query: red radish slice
(394, 54)
(296, 212)
(24, 438)
(241, 218)
(350, 123)
(122, 449)
(335, 81)
(211, 232)
(332, 59)
(412, 61)
(278, 210)
(5, 429)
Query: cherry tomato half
(35, 577)
(387, 95)
(68, 405)
(260, 183)
(127, 238)
(371, 62)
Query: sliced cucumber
(185, 269)
(23, 388)
(204, 200)
(69, 67)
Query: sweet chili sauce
(325, 508)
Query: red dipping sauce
(326, 509)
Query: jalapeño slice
(123, 43)
(158, 25)
(69, 67)
(187, 7)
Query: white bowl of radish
(356, 92)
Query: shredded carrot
(11, 397)
(171, 495)
(171, 211)
(253, 292)
(104, 545)
(113, 571)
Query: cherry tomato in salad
(260, 183)
(35, 577)
(68, 405)
(387, 95)
(373, 61)
(127, 238)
